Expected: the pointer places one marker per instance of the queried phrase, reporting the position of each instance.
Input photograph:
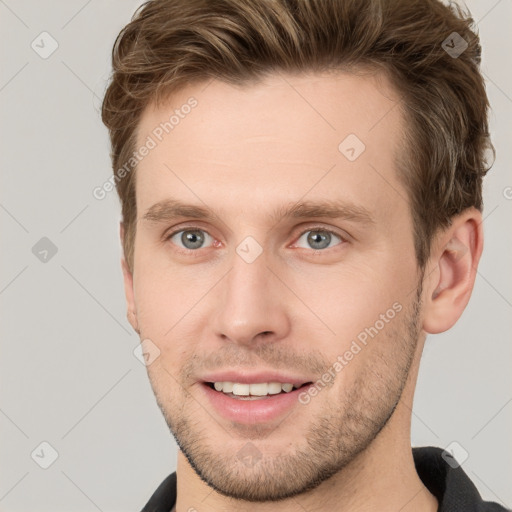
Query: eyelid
(343, 237)
(177, 229)
(168, 235)
(189, 253)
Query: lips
(247, 377)
(251, 398)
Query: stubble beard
(333, 439)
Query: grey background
(68, 373)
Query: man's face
(250, 295)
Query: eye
(319, 239)
(190, 239)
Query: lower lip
(249, 412)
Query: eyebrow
(170, 209)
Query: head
(301, 194)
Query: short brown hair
(171, 43)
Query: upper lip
(248, 377)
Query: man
(300, 184)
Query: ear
(451, 271)
(128, 288)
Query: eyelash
(314, 228)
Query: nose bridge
(248, 304)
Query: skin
(245, 152)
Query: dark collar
(453, 489)
(448, 482)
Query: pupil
(319, 239)
(192, 239)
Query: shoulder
(446, 480)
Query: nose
(249, 306)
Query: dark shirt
(453, 489)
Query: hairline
(403, 157)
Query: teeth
(227, 387)
(240, 389)
(256, 389)
(274, 388)
(259, 389)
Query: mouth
(254, 390)
(254, 403)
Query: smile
(253, 391)
(251, 403)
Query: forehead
(333, 136)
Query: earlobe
(131, 312)
(453, 267)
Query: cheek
(161, 291)
(170, 302)
(349, 299)
(154, 303)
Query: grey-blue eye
(319, 239)
(190, 238)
